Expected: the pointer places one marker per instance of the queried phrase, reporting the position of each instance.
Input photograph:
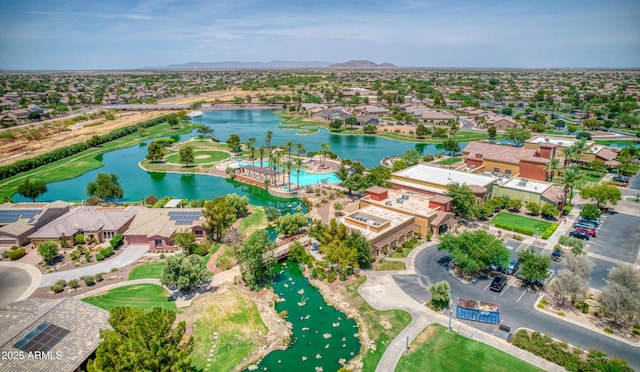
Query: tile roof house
(101, 223)
(62, 334)
(18, 221)
(504, 159)
(155, 227)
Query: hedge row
(116, 241)
(549, 230)
(556, 352)
(517, 229)
(66, 151)
(15, 253)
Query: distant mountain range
(357, 64)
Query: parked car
(596, 222)
(579, 235)
(498, 283)
(512, 268)
(591, 232)
(556, 254)
(495, 267)
(585, 225)
(621, 178)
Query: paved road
(129, 255)
(517, 310)
(14, 281)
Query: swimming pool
(305, 177)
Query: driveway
(130, 254)
(517, 310)
(17, 281)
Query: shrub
(331, 277)
(590, 212)
(56, 288)
(88, 280)
(317, 272)
(106, 252)
(223, 263)
(73, 283)
(342, 277)
(561, 313)
(608, 330)
(98, 277)
(5, 254)
(567, 208)
(99, 257)
(517, 229)
(117, 241)
(17, 254)
(162, 256)
(549, 231)
(61, 282)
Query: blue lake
(138, 183)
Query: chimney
(478, 156)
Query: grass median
(142, 296)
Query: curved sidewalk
(382, 292)
(129, 255)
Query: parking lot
(618, 237)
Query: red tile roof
(506, 154)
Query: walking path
(382, 293)
(131, 254)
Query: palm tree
(287, 165)
(251, 147)
(261, 152)
(300, 149)
(569, 180)
(570, 154)
(551, 167)
(325, 151)
(267, 141)
(277, 161)
(298, 165)
(289, 146)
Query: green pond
(322, 336)
(138, 183)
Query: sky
(129, 34)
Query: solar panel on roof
(43, 338)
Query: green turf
(212, 156)
(142, 296)
(450, 161)
(150, 270)
(514, 220)
(438, 350)
(390, 265)
(255, 220)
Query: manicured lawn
(450, 161)
(145, 271)
(207, 156)
(522, 222)
(435, 349)
(254, 221)
(389, 265)
(382, 326)
(590, 176)
(143, 296)
(231, 321)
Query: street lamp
(450, 315)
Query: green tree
(233, 142)
(185, 272)
(399, 165)
(370, 129)
(205, 131)
(219, 215)
(351, 121)
(362, 248)
(291, 224)
(591, 123)
(32, 189)
(186, 240)
(155, 151)
(335, 125)
(551, 168)
(411, 157)
(186, 155)
(533, 208)
(240, 204)
(620, 298)
(451, 146)
(590, 212)
(256, 259)
(515, 204)
(492, 132)
(463, 199)
(473, 251)
(422, 131)
(628, 120)
(572, 280)
(173, 120)
(517, 135)
(298, 253)
(440, 295)
(48, 250)
(267, 139)
(106, 187)
(549, 211)
(601, 194)
(533, 266)
(142, 341)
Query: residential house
(18, 221)
(99, 223)
(52, 335)
(155, 227)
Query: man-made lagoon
(139, 183)
(321, 335)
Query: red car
(591, 232)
